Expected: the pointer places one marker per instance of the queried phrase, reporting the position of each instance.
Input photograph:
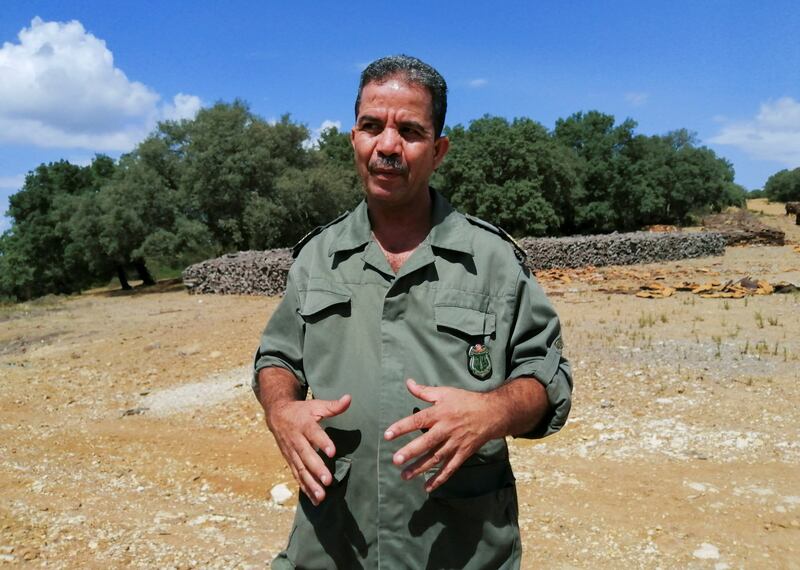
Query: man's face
(393, 140)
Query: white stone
(280, 493)
(707, 552)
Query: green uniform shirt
(349, 324)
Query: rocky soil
(129, 435)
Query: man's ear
(353, 137)
(440, 148)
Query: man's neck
(400, 229)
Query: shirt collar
(448, 231)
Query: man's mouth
(385, 172)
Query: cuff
(557, 383)
(261, 361)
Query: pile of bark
(741, 227)
(242, 273)
(620, 249)
(264, 272)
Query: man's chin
(386, 188)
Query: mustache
(390, 163)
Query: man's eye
(410, 133)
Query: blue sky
(82, 77)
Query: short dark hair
(412, 70)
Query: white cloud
(478, 83)
(59, 88)
(774, 133)
(182, 107)
(637, 98)
(313, 138)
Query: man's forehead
(393, 92)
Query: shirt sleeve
(535, 349)
(282, 340)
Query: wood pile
(242, 273)
(741, 227)
(264, 272)
(620, 249)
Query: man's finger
(415, 422)
(299, 471)
(447, 469)
(308, 481)
(320, 440)
(426, 462)
(313, 489)
(424, 393)
(418, 447)
(314, 465)
(330, 408)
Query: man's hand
(460, 421)
(294, 422)
(298, 434)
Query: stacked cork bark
(620, 249)
(264, 272)
(242, 273)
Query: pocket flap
(318, 300)
(341, 468)
(468, 321)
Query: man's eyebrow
(414, 125)
(364, 118)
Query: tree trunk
(123, 278)
(144, 274)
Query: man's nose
(388, 142)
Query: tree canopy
(228, 180)
(783, 186)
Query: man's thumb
(336, 407)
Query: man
(424, 341)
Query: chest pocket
(466, 330)
(325, 300)
(464, 314)
(463, 321)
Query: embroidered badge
(480, 363)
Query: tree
(670, 180)
(231, 157)
(631, 181)
(36, 252)
(510, 174)
(783, 186)
(334, 146)
(599, 146)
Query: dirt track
(683, 449)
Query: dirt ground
(129, 435)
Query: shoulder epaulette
(316, 231)
(518, 251)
